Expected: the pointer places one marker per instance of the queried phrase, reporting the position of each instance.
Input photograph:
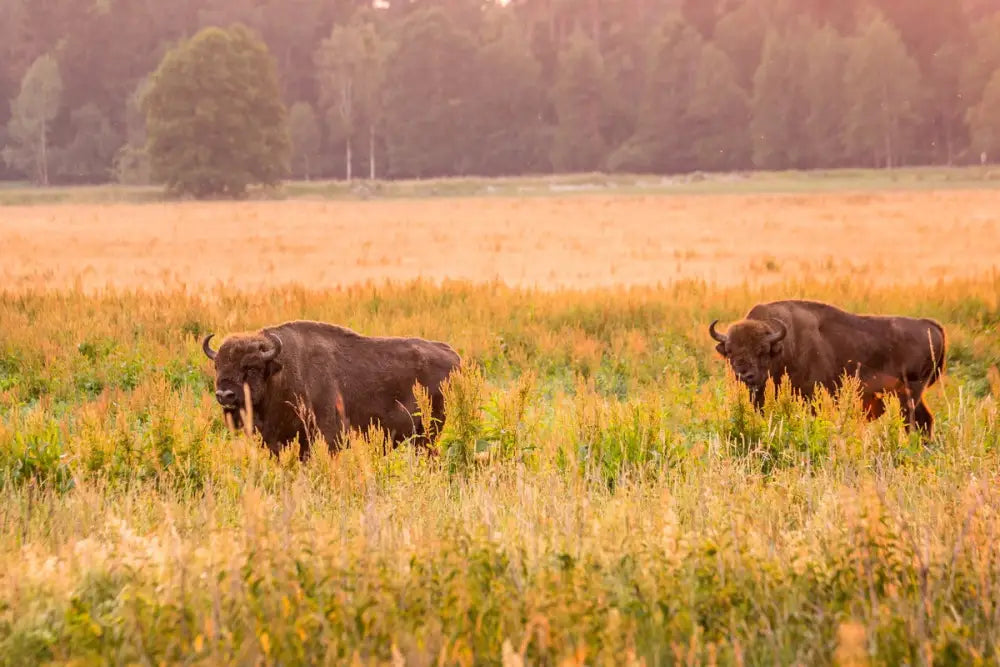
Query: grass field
(604, 494)
(600, 240)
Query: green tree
(578, 144)
(214, 116)
(740, 34)
(512, 136)
(429, 97)
(983, 61)
(89, 156)
(984, 120)
(885, 86)
(303, 128)
(936, 35)
(719, 114)
(32, 113)
(777, 110)
(944, 106)
(131, 162)
(624, 50)
(350, 68)
(662, 142)
(822, 87)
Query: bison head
(749, 346)
(240, 360)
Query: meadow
(603, 495)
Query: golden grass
(604, 495)
(572, 242)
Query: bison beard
(815, 344)
(302, 379)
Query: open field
(555, 242)
(604, 495)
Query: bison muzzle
(816, 344)
(301, 379)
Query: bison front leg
(872, 406)
(918, 415)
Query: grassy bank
(910, 178)
(603, 494)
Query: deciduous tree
(578, 144)
(984, 120)
(304, 131)
(214, 116)
(429, 98)
(885, 87)
(32, 113)
(663, 140)
(824, 96)
(778, 109)
(719, 113)
(350, 71)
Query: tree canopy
(402, 88)
(215, 122)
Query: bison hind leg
(923, 418)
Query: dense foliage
(603, 493)
(452, 87)
(214, 120)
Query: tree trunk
(347, 158)
(43, 170)
(949, 141)
(888, 149)
(888, 122)
(371, 152)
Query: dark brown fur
(337, 379)
(889, 355)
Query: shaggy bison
(306, 377)
(818, 344)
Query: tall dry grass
(575, 242)
(604, 494)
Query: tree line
(427, 88)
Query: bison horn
(209, 352)
(778, 335)
(275, 347)
(715, 334)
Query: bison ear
(721, 349)
(775, 349)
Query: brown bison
(305, 378)
(818, 344)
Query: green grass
(604, 495)
(911, 178)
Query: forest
(430, 88)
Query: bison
(302, 378)
(819, 344)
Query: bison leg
(918, 415)
(873, 406)
(437, 416)
(923, 418)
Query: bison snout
(227, 398)
(749, 378)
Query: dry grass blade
(247, 411)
